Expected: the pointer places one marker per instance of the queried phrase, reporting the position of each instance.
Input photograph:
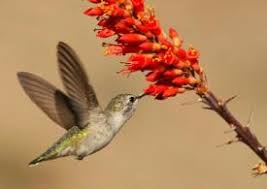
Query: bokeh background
(165, 145)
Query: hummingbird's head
(121, 108)
(124, 104)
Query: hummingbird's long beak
(141, 95)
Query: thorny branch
(243, 132)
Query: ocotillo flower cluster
(169, 67)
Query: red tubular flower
(129, 21)
(169, 58)
(153, 76)
(107, 23)
(94, 11)
(181, 54)
(138, 6)
(104, 33)
(132, 38)
(193, 55)
(150, 47)
(122, 27)
(140, 62)
(181, 80)
(175, 37)
(173, 73)
(114, 49)
(155, 90)
(170, 68)
(153, 25)
(115, 11)
(172, 91)
(95, 1)
(196, 67)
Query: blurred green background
(165, 145)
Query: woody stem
(243, 132)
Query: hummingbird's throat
(116, 121)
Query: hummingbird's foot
(80, 157)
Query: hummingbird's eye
(132, 99)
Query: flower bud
(182, 80)
(172, 91)
(181, 53)
(113, 49)
(105, 33)
(116, 11)
(173, 73)
(138, 5)
(132, 38)
(150, 47)
(193, 55)
(97, 11)
(155, 89)
(153, 76)
(175, 37)
(196, 67)
(95, 1)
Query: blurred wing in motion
(76, 83)
(49, 99)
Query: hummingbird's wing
(64, 146)
(49, 99)
(76, 83)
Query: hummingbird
(89, 128)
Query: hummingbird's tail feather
(35, 162)
(48, 155)
(63, 147)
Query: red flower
(154, 75)
(181, 54)
(173, 73)
(104, 33)
(94, 11)
(150, 47)
(138, 5)
(132, 38)
(175, 37)
(115, 11)
(114, 49)
(193, 55)
(170, 68)
(182, 80)
(95, 1)
(172, 91)
(156, 89)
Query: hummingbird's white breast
(100, 134)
